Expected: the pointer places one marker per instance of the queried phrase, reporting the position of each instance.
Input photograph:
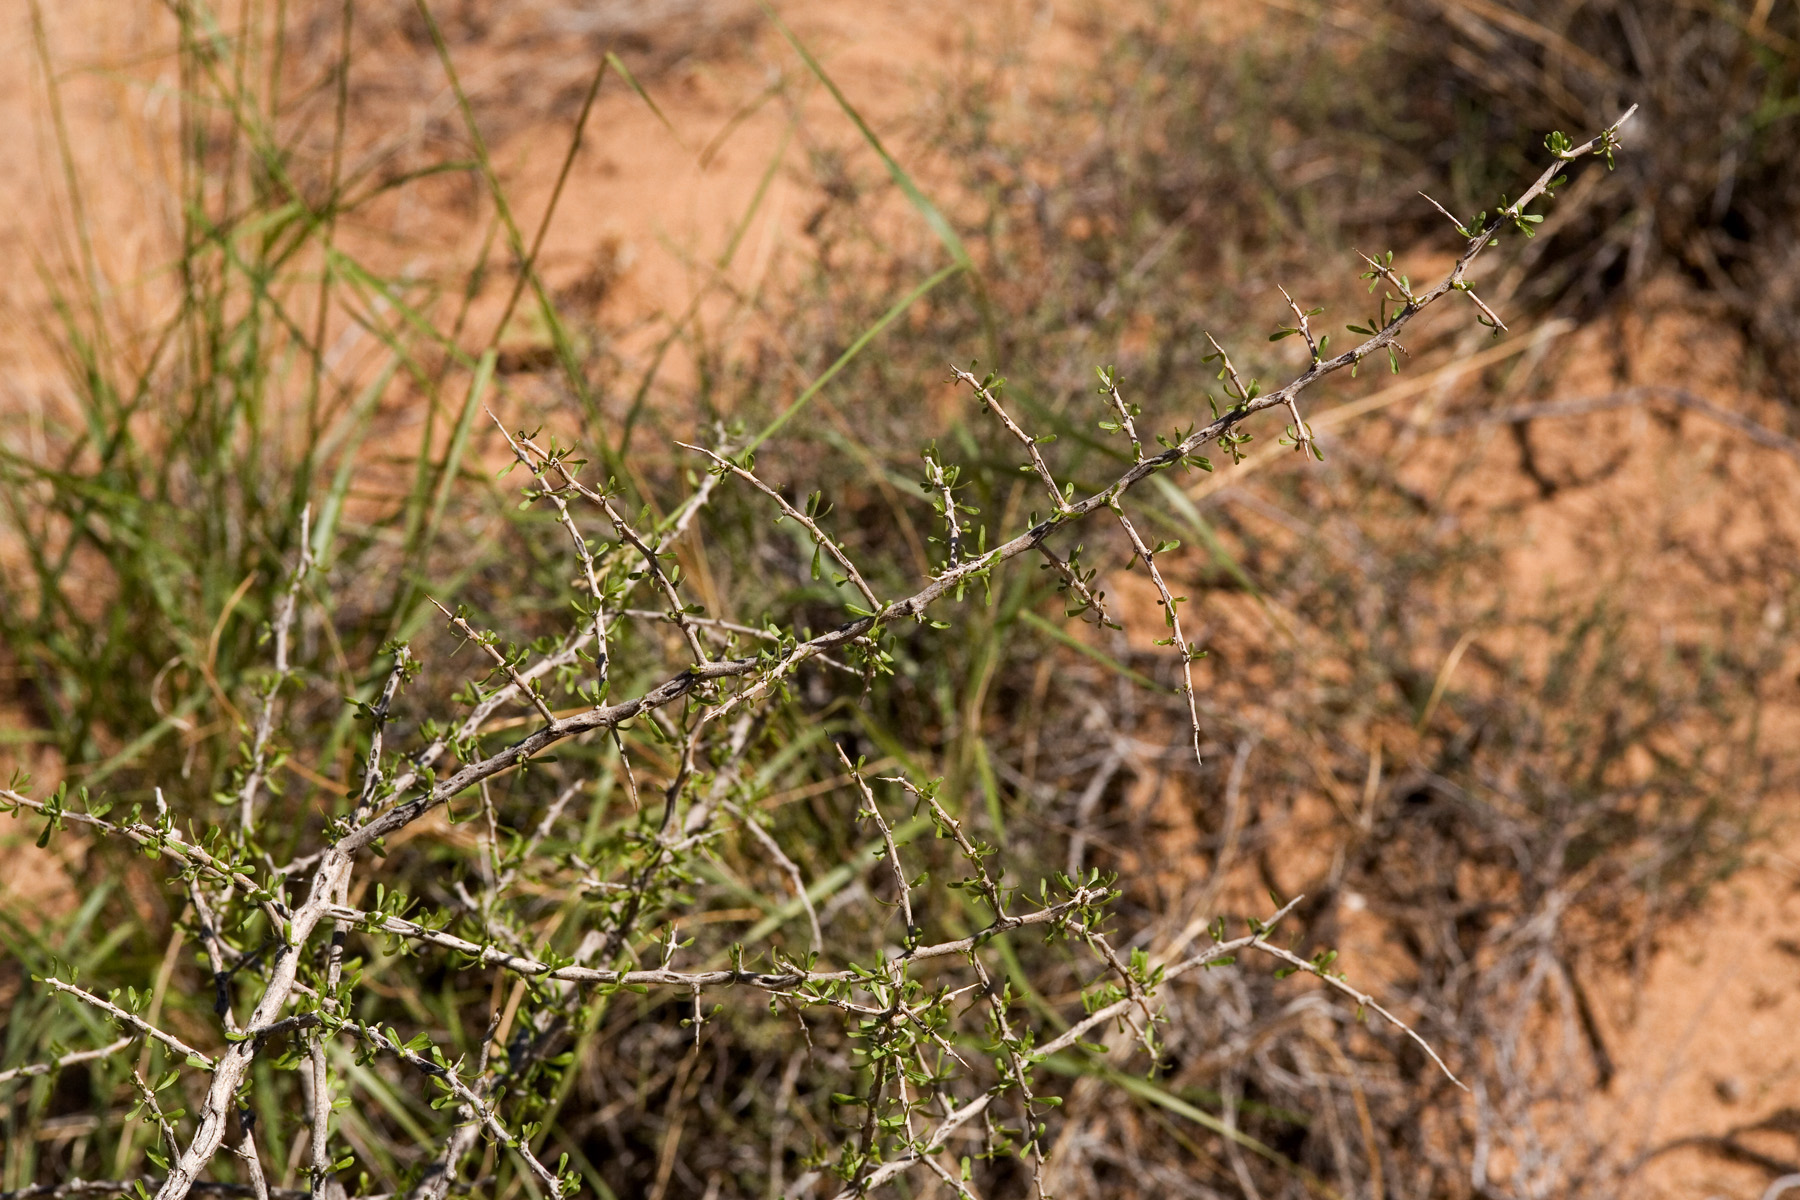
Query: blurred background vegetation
(1508, 693)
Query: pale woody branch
(280, 628)
(163, 841)
(486, 642)
(986, 389)
(132, 1021)
(651, 555)
(590, 574)
(764, 980)
(1363, 999)
(943, 482)
(1170, 604)
(65, 1060)
(1109, 387)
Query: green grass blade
(459, 443)
(1055, 632)
(868, 335)
(354, 429)
(933, 216)
(1154, 1093)
(1198, 526)
(917, 198)
(612, 60)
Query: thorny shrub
(950, 852)
(931, 1022)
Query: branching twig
(651, 555)
(1363, 999)
(66, 1060)
(1070, 1037)
(1170, 604)
(505, 665)
(705, 672)
(131, 1020)
(820, 538)
(602, 662)
(265, 719)
(985, 390)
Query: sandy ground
(1705, 1035)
